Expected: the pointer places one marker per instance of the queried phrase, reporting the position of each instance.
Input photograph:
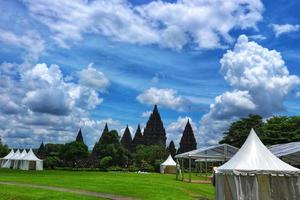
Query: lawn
(140, 186)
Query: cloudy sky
(66, 65)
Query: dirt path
(74, 191)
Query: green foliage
(110, 146)
(4, 150)
(276, 130)
(147, 156)
(52, 162)
(74, 152)
(106, 162)
(239, 130)
(54, 149)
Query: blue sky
(72, 64)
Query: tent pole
(182, 164)
(205, 169)
(190, 169)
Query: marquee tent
(17, 160)
(13, 158)
(255, 173)
(5, 161)
(169, 166)
(30, 161)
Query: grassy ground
(8, 192)
(141, 186)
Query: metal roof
(220, 151)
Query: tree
(239, 130)
(147, 157)
(74, 153)
(110, 146)
(4, 150)
(171, 149)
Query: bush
(105, 162)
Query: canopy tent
(5, 161)
(169, 166)
(17, 159)
(30, 161)
(255, 173)
(13, 158)
(220, 152)
(288, 152)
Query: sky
(73, 64)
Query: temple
(79, 137)
(154, 132)
(138, 138)
(126, 139)
(188, 141)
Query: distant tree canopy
(276, 130)
(4, 150)
(74, 153)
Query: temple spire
(138, 138)
(79, 137)
(126, 139)
(41, 153)
(188, 141)
(154, 132)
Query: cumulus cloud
(175, 129)
(205, 23)
(164, 97)
(39, 103)
(147, 113)
(280, 29)
(93, 78)
(260, 80)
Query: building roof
(254, 157)
(220, 151)
(289, 152)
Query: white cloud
(164, 97)
(38, 103)
(280, 29)
(93, 78)
(30, 41)
(261, 83)
(147, 113)
(205, 23)
(175, 129)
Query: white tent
(30, 161)
(17, 159)
(13, 158)
(255, 173)
(5, 161)
(169, 166)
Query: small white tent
(169, 166)
(255, 173)
(30, 161)
(5, 161)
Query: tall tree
(4, 150)
(188, 141)
(171, 149)
(239, 130)
(74, 153)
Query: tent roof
(289, 152)
(169, 162)
(21, 155)
(255, 157)
(16, 155)
(8, 156)
(30, 156)
(221, 151)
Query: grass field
(140, 186)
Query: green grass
(141, 186)
(8, 192)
